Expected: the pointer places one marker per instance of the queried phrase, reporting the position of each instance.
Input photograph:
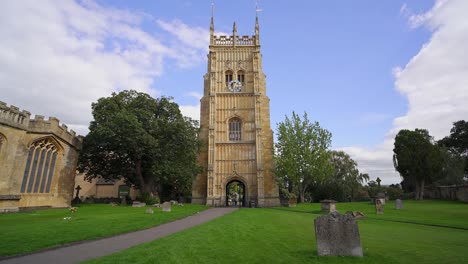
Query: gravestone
(77, 200)
(398, 204)
(138, 204)
(124, 200)
(166, 206)
(173, 202)
(328, 205)
(382, 197)
(337, 235)
(379, 207)
(149, 211)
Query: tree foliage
(345, 181)
(302, 156)
(144, 140)
(457, 143)
(417, 159)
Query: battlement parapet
(234, 40)
(13, 117)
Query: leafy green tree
(346, 178)
(417, 159)
(302, 156)
(144, 140)
(453, 168)
(457, 142)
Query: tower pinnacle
(257, 31)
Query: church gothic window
(228, 76)
(40, 166)
(241, 76)
(235, 131)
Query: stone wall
(98, 189)
(38, 160)
(453, 192)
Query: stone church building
(38, 159)
(237, 157)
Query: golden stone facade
(37, 161)
(235, 125)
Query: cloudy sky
(364, 69)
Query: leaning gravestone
(379, 207)
(337, 235)
(398, 204)
(166, 206)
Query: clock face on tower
(235, 86)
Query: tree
(417, 159)
(302, 156)
(345, 179)
(457, 142)
(144, 140)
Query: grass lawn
(27, 232)
(279, 236)
(431, 212)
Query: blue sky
(363, 69)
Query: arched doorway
(235, 193)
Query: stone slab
(337, 235)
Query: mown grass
(279, 236)
(430, 212)
(27, 232)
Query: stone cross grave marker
(166, 206)
(337, 235)
(378, 207)
(398, 204)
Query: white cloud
(194, 94)
(434, 81)
(192, 111)
(57, 57)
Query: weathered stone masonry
(37, 160)
(235, 123)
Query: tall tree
(345, 180)
(302, 156)
(417, 159)
(144, 140)
(457, 142)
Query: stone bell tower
(235, 126)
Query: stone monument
(337, 235)
(398, 204)
(328, 205)
(379, 207)
(166, 206)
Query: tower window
(241, 76)
(228, 76)
(40, 167)
(235, 129)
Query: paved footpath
(106, 246)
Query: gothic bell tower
(237, 152)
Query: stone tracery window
(235, 129)
(241, 76)
(40, 165)
(228, 76)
